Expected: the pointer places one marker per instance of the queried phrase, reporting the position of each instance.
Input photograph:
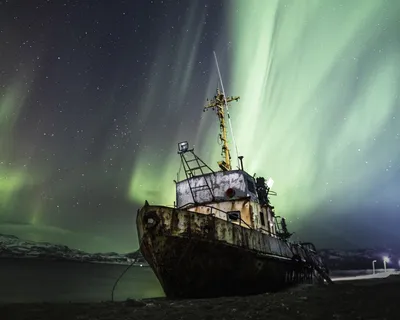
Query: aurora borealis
(95, 96)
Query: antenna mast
(227, 109)
(218, 103)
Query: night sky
(95, 96)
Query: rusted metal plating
(179, 245)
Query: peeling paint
(212, 187)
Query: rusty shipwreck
(222, 237)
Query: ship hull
(198, 256)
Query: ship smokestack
(241, 162)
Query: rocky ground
(366, 299)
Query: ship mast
(218, 103)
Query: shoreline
(342, 300)
(77, 261)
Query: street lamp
(373, 266)
(385, 260)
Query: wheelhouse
(228, 195)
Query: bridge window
(233, 215)
(262, 218)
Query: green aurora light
(308, 115)
(12, 178)
(314, 113)
(318, 112)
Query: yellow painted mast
(218, 104)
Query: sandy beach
(362, 299)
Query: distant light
(270, 183)
(386, 259)
(183, 147)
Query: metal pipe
(241, 162)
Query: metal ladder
(191, 172)
(316, 266)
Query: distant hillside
(14, 247)
(359, 259)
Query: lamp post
(373, 266)
(385, 260)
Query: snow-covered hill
(360, 258)
(14, 247)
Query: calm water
(23, 280)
